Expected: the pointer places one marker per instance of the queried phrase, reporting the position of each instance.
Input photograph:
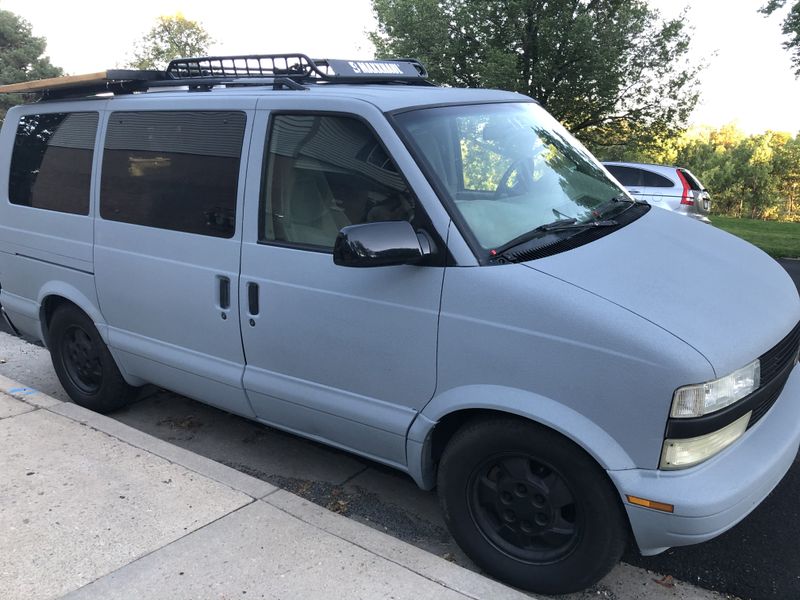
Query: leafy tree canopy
(791, 28)
(21, 57)
(611, 70)
(171, 37)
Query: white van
(441, 280)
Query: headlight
(681, 454)
(704, 398)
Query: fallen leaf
(666, 581)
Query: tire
(530, 507)
(83, 363)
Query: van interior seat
(312, 216)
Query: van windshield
(510, 169)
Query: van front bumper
(715, 495)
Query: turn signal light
(651, 504)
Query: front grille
(776, 365)
(773, 361)
(760, 410)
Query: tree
(21, 57)
(786, 169)
(790, 27)
(611, 70)
(171, 37)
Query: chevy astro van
(441, 280)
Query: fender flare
(78, 298)
(540, 409)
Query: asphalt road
(758, 559)
(793, 268)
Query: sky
(748, 79)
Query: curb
(416, 560)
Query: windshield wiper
(557, 225)
(563, 224)
(618, 199)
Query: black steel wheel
(81, 360)
(524, 507)
(529, 506)
(84, 365)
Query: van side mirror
(380, 244)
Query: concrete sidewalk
(91, 508)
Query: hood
(719, 294)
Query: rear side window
(626, 175)
(175, 170)
(51, 164)
(650, 179)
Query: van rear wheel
(83, 363)
(530, 507)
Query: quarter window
(324, 173)
(650, 179)
(173, 170)
(694, 184)
(51, 164)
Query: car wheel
(530, 507)
(84, 365)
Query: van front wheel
(530, 507)
(83, 363)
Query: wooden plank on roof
(74, 81)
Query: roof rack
(298, 67)
(282, 71)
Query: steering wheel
(522, 167)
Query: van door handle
(252, 298)
(224, 292)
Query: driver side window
(323, 173)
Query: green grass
(775, 238)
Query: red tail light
(686, 198)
